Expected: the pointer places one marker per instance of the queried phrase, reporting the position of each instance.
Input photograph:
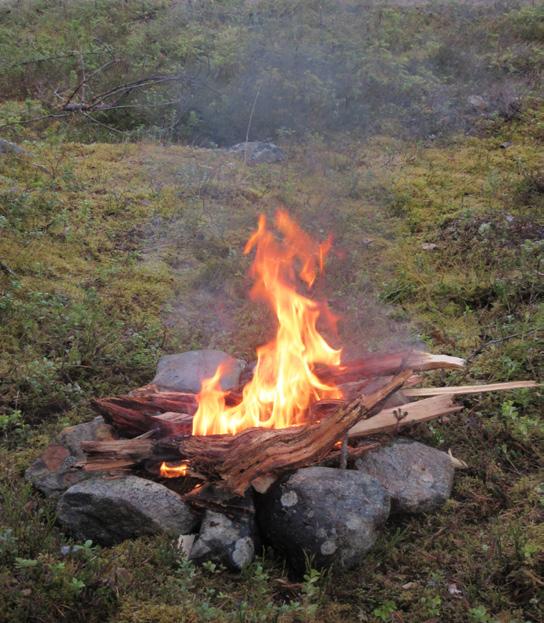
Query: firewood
(238, 460)
(134, 415)
(137, 413)
(127, 418)
(392, 420)
(382, 364)
(467, 389)
(120, 453)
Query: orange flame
(174, 471)
(284, 383)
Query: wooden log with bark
(236, 461)
(379, 398)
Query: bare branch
(104, 125)
(86, 80)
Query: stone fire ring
(328, 516)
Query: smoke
(311, 69)
(308, 66)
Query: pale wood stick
(466, 389)
(390, 420)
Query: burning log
(123, 453)
(383, 364)
(240, 459)
(146, 408)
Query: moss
(119, 253)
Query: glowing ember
(174, 471)
(283, 384)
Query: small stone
(184, 372)
(54, 471)
(429, 246)
(185, 543)
(7, 147)
(258, 152)
(325, 515)
(226, 541)
(108, 511)
(230, 541)
(417, 477)
(68, 550)
(477, 102)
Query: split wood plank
(391, 420)
(467, 389)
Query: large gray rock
(109, 511)
(328, 516)
(418, 478)
(54, 471)
(185, 372)
(258, 152)
(229, 541)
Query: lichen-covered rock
(229, 541)
(258, 152)
(109, 511)
(185, 372)
(54, 471)
(325, 515)
(418, 478)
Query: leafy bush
(200, 71)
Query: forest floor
(115, 254)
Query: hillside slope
(114, 254)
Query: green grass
(114, 254)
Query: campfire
(299, 405)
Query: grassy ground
(114, 254)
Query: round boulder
(418, 478)
(108, 511)
(324, 516)
(184, 372)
